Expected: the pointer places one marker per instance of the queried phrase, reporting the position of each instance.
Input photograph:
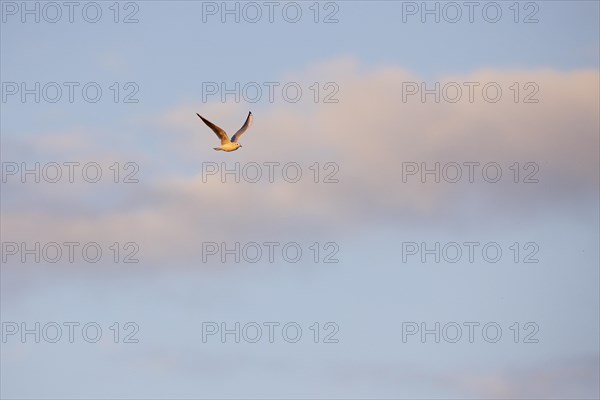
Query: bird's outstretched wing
(220, 132)
(243, 129)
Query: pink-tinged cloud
(368, 134)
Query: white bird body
(228, 147)
(226, 144)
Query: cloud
(368, 134)
(567, 378)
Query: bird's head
(238, 145)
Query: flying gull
(226, 144)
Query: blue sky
(369, 134)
